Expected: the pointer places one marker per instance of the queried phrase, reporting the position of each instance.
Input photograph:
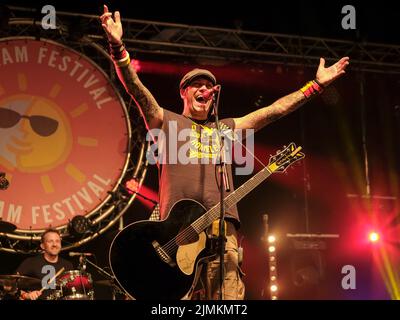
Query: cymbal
(7, 227)
(19, 281)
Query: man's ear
(182, 93)
(41, 246)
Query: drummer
(36, 266)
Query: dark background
(312, 197)
(376, 22)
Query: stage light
(271, 248)
(271, 239)
(274, 288)
(373, 236)
(136, 65)
(79, 226)
(132, 186)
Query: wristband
(312, 88)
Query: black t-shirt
(193, 179)
(33, 267)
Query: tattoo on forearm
(260, 118)
(146, 102)
(289, 103)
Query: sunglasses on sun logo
(43, 126)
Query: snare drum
(76, 285)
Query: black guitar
(159, 259)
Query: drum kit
(73, 285)
(69, 285)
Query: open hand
(112, 27)
(326, 75)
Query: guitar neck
(205, 220)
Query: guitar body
(139, 268)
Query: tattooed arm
(148, 106)
(264, 116)
(151, 112)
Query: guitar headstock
(284, 158)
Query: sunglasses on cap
(41, 125)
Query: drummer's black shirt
(33, 267)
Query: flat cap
(195, 73)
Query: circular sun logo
(64, 134)
(38, 135)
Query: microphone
(209, 93)
(86, 254)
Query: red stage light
(136, 65)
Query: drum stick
(52, 279)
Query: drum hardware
(11, 285)
(74, 285)
(110, 281)
(20, 282)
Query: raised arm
(264, 116)
(148, 106)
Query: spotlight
(79, 226)
(373, 236)
(136, 65)
(132, 186)
(271, 239)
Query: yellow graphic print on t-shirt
(204, 141)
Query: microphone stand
(104, 273)
(223, 186)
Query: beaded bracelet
(312, 88)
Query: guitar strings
(171, 246)
(172, 243)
